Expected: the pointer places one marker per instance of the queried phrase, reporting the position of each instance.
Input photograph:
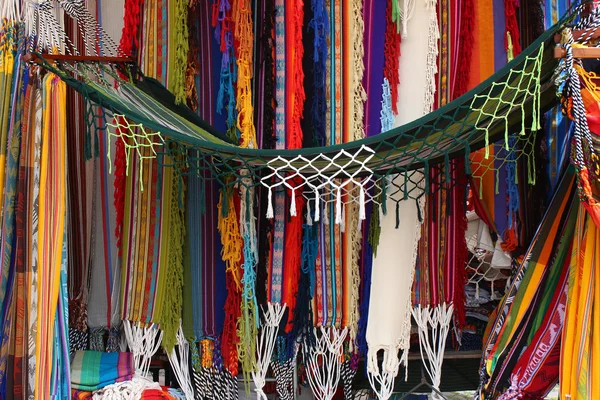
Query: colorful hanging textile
(577, 365)
(552, 285)
(51, 246)
(528, 276)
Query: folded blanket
(93, 370)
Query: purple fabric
(499, 34)
(375, 25)
(500, 201)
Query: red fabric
(463, 68)
(155, 394)
(295, 98)
(233, 311)
(120, 183)
(131, 23)
(460, 251)
(512, 26)
(392, 57)
(479, 206)
(292, 260)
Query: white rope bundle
(127, 390)
(438, 319)
(265, 342)
(324, 361)
(179, 358)
(11, 10)
(382, 381)
(144, 342)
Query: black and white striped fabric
(284, 378)
(348, 373)
(78, 340)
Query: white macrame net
(323, 180)
(324, 361)
(488, 262)
(265, 342)
(127, 390)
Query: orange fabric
(475, 73)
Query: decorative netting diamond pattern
(504, 110)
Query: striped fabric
(93, 370)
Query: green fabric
(188, 316)
(556, 268)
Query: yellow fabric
(51, 217)
(577, 364)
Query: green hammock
(509, 102)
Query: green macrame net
(505, 109)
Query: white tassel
(326, 214)
(405, 16)
(265, 343)
(338, 207)
(382, 382)
(143, 342)
(434, 344)
(293, 205)
(343, 228)
(180, 363)
(309, 220)
(361, 210)
(270, 204)
(317, 206)
(323, 362)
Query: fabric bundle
(93, 370)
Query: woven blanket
(93, 370)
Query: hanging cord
(324, 360)
(382, 381)
(265, 343)
(434, 344)
(144, 342)
(179, 361)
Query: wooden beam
(580, 34)
(77, 59)
(578, 52)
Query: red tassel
(131, 24)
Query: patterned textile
(92, 370)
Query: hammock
(510, 100)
